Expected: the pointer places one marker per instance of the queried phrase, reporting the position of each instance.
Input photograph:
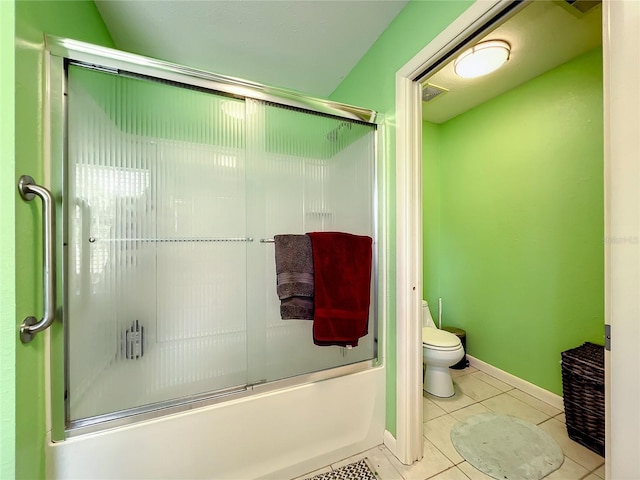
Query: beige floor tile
(576, 452)
(382, 466)
(378, 459)
(465, 371)
(535, 403)
(452, 474)
(509, 405)
(592, 476)
(469, 411)
(438, 432)
(569, 470)
(494, 382)
(432, 463)
(472, 472)
(600, 472)
(430, 410)
(346, 461)
(314, 473)
(458, 401)
(475, 388)
(477, 392)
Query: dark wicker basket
(583, 392)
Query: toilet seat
(439, 339)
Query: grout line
(594, 472)
(489, 375)
(450, 468)
(444, 455)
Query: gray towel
(294, 269)
(296, 308)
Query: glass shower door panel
(155, 244)
(316, 173)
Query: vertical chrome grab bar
(30, 326)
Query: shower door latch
(607, 337)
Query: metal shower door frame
(59, 52)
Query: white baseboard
(533, 390)
(390, 442)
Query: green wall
(371, 83)
(79, 20)
(7, 243)
(431, 158)
(519, 255)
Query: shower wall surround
(171, 193)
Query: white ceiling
(543, 35)
(308, 46)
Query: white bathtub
(280, 435)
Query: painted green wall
(371, 83)
(431, 158)
(520, 249)
(7, 243)
(74, 19)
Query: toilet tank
(427, 319)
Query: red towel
(342, 279)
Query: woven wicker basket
(583, 392)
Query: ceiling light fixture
(481, 59)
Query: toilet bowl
(440, 350)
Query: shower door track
(170, 407)
(117, 62)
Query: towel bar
(184, 239)
(267, 240)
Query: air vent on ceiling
(583, 6)
(432, 91)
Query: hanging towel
(294, 270)
(342, 278)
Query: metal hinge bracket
(607, 337)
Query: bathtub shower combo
(173, 183)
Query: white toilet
(440, 350)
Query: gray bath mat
(354, 471)
(506, 447)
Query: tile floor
(477, 392)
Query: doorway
(512, 193)
(409, 212)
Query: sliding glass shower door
(156, 254)
(305, 173)
(173, 194)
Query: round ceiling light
(483, 58)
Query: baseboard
(533, 390)
(390, 442)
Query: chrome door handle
(30, 326)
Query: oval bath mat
(506, 447)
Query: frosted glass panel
(170, 294)
(156, 251)
(310, 173)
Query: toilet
(440, 350)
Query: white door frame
(621, 50)
(621, 58)
(409, 443)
